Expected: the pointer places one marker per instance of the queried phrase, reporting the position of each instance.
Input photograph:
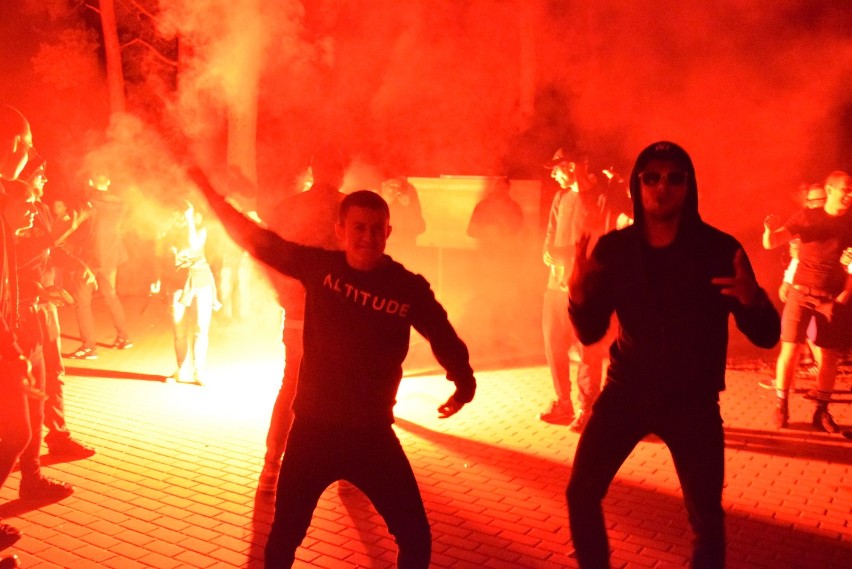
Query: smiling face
(363, 233)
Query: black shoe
(580, 422)
(558, 414)
(122, 344)
(823, 421)
(781, 414)
(10, 562)
(9, 535)
(69, 448)
(83, 353)
(44, 488)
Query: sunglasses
(654, 178)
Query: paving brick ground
(173, 482)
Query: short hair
(12, 123)
(365, 199)
(836, 178)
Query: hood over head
(669, 151)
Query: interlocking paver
(172, 484)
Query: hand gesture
(772, 222)
(189, 212)
(846, 257)
(450, 408)
(742, 285)
(581, 264)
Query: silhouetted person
(496, 224)
(16, 147)
(405, 210)
(575, 209)
(359, 309)
(667, 365)
(31, 256)
(820, 291)
(44, 260)
(188, 282)
(306, 218)
(100, 245)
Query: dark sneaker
(823, 421)
(580, 422)
(83, 353)
(44, 488)
(122, 344)
(69, 448)
(10, 562)
(9, 535)
(781, 414)
(558, 414)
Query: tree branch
(151, 48)
(141, 9)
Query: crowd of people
(635, 326)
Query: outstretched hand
(450, 408)
(742, 285)
(581, 264)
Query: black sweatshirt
(357, 325)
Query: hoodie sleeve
(450, 351)
(261, 243)
(759, 321)
(590, 302)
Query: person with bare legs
(820, 291)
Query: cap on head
(558, 158)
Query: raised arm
(774, 233)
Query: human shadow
(631, 508)
(800, 441)
(114, 374)
(21, 506)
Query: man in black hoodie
(360, 306)
(673, 281)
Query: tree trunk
(112, 49)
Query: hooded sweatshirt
(673, 322)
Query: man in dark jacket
(673, 281)
(360, 306)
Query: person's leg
(83, 292)
(181, 334)
(203, 304)
(15, 426)
(308, 468)
(589, 380)
(14, 437)
(106, 284)
(693, 432)
(795, 318)
(557, 342)
(379, 467)
(282, 412)
(826, 377)
(30, 457)
(615, 426)
(54, 371)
